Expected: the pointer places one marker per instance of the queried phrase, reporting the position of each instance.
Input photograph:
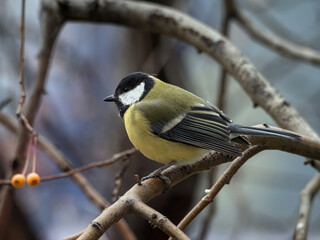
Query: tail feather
(238, 129)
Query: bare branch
(19, 113)
(212, 172)
(167, 21)
(280, 45)
(129, 204)
(107, 218)
(222, 90)
(306, 197)
(153, 187)
(228, 14)
(119, 176)
(158, 220)
(295, 51)
(224, 179)
(162, 20)
(82, 182)
(51, 27)
(4, 102)
(116, 157)
(27, 124)
(21, 77)
(73, 237)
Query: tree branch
(221, 103)
(119, 176)
(158, 220)
(21, 67)
(280, 45)
(224, 179)
(162, 20)
(129, 204)
(167, 21)
(51, 27)
(152, 187)
(228, 15)
(79, 179)
(306, 197)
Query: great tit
(169, 124)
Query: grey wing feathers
(202, 127)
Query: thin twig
(224, 179)
(4, 103)
(306, 197)
(21, 77)
(153, 187)
(9, 171)
(115, 158)
(222, 90)
(79, 179)
(28, 157)
(167, 21)
(279, 44)
(34, 153)
(138, 180)
(210, 213)
(27, 124)
(119, 176)
(228, 15)
(45, 145)
(23, 96)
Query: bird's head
(131, 89)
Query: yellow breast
(154, 147)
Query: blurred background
(90, 59)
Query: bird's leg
(157, 174)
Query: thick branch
(151, 188)
(163, 20)
(221, 103)
(157, 219)
(129, 204)
(101, 224)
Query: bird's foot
(158, 174)
(166, 180)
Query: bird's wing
(202, 127)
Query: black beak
(110, 98)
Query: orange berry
(33, 179)
(18, 180)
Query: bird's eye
(126, 89)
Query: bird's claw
(166, 180)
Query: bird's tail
(238, 129)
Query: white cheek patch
(132, 96)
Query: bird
(171, 125)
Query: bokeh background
(89, 60)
